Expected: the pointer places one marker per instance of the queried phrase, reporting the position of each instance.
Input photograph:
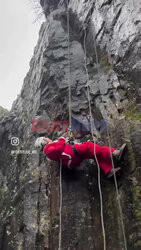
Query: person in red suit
(73, 155)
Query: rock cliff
(3, 111)
(29, 183)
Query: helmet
(40, 143)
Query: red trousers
(59, 150)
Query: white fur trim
(70, 159)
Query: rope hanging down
(60, 209)
(70, 126)
(118, 197)
(90, 113)
(108, 135)
(69, 69)
(70, 129)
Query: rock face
(3, 112)
(29, 183)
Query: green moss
(3, 112)
(133, 114)
(124, 92)
(92, 54)
(137, 192)
(46, 197)
(41, 233)
(3, 192)
(23, 118)
(138, 243)
(20, 245)
(104, 63)
(36, 173)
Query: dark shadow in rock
(71, 175)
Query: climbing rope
(109, 142)
(70, 125)
(60, 209)
(69, 70)
(118, 197)
(90, 113)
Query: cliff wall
(29, 183)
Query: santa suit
(72, 158)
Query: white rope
(118, 197)
(69, 67)
(70, 126)
(90, 110)
(115, 179)
(60, 209)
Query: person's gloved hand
(47, 140)
(65, 135)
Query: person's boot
(111, 172)
(118, 153)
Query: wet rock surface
(29, 183)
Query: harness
(75, 151)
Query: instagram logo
(14, 141)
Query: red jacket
(87, 150)
(60, 150)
